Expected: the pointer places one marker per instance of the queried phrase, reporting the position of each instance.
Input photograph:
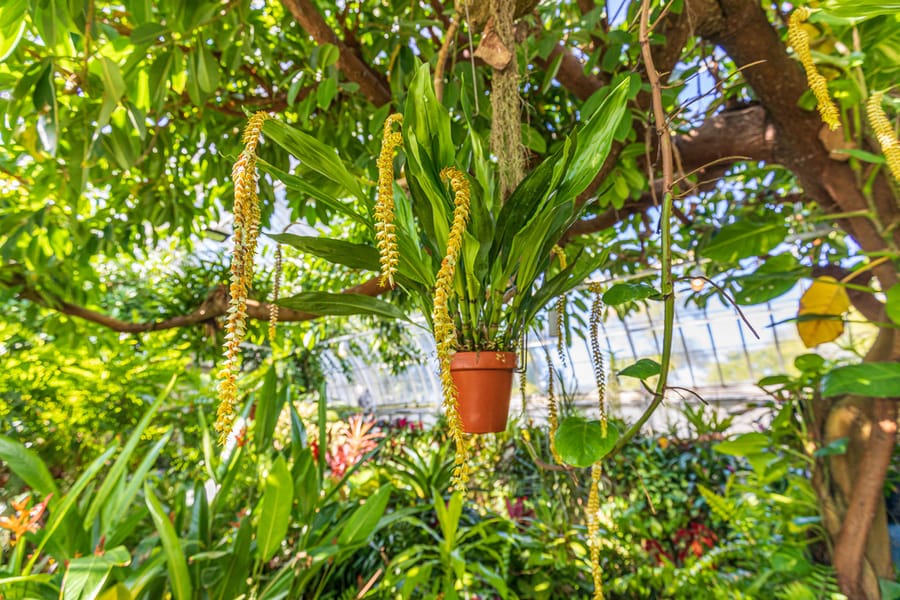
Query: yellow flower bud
(890, 146)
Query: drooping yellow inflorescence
(799, 41)
(593, 505)
(552, 409)
(597, 352)
(385, 230)
(246, 233)
(444, 329)
(276, 289)
(890, 146)
(593, 529)
(560, 308)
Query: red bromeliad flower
(350, 444)
(694, 540)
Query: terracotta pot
(484, 385)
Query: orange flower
(25, 520)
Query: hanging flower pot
(484, 385)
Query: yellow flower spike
(246, 232)
(560, 307)
(597, 353)
(276, 289)
(593, 505)
(593, 527)
(385, 230)
(799, 41)
(444, 329)
(890, 146)
(552, 411)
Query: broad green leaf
(314, 154)
(306, 482)
(326, 55)
(743, 239)
(60, 512)
(642, 369)
(774, 380)
(872, 380)
(269, 400)
(809, 363)
(274, 510)
(861, 9)
(12, 26)
(775, 277)
(297, 184)
(835, 448)
(744, 445)
(329, 304)
(862, 154)
(86, 575)
(581, 443)
(207, 69)
(179, 578)
(27, 466)
(355, 256)
(594, 140)
(364, 520)
(235, 580)
(621, 293)
(118, 592)
(147, 33)
(115, 510)
(892, 303)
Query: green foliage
(581, 443)
(642, 369)
(873, 379)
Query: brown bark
(215, 305)
(743, 30)
(371, 83)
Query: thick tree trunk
(861, 551)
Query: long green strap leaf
(179, 578)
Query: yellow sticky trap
(824, 297)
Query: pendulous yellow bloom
(593, 528)
(246, 232)
(385, 230)
(552, 411)
(444, 329)
(799, 41)
(890, 146)
(276, 289)
(597, 352)
(593, 505)
(560, 308)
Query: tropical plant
(458, 555)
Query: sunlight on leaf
(824, 297)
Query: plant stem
(666, 279)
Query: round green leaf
(580, 442)
(642, 369)
(621, 293)
(809, 363)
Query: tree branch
(371, 83)
(215, 305)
